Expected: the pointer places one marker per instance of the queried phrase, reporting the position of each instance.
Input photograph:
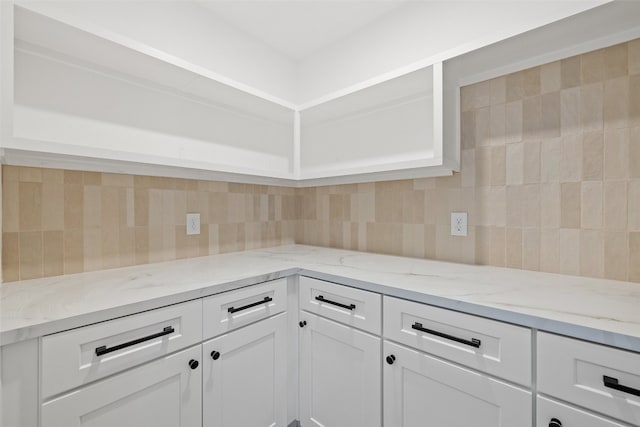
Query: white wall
(6, 70)
(6, 96)
(188, 31)
(422, 30)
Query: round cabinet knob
(555, 423)
(193, 364)
(390, 359)
(215, 355)
(302, 323)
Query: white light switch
(458, 223)
(193, 223)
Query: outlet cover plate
(193, 223)
(459, 224)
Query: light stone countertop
(603, 311)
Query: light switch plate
(193, 223)
(458, 224)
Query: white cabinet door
(245, 376)
(162, 393)
(339, 375)
(421, 390)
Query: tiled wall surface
(550, 178)
(61, 222)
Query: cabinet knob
(302, 323)
(193, 364)
(215, 355)
(390, 359)
(555, 423)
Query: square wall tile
(592, 155)
(616, 153)
(550, 77)
(592, 205)
(570, 207)
(616, 255)
(616, 61)
(571, 72)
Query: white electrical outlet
(193, 223)
(458, 223)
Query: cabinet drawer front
(165, 392)
(486, 345)
(569, 416)
(245, 376)
(575, 371)
(230, 310)
(423, 390)
(79, 356)
(354, 307)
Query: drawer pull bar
(614, 384)
(474, 342)
(100, 351)
(348, 307)
(253, 304)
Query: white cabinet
(81, 93)
(351, 306)
(593, 376)
(340, 381)
(422, 386)
(245, 376)
(19, 382)
(390, 130)
(423, 390)
(231, 310)
(76, 91)
(162, 393)
(485, 345)
(556, 414)
(433, 367)
(80, 356)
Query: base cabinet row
(235, 380)
(429, 366)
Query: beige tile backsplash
(550, 178)
(61, 222)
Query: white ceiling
(302, 52)
(298, 28)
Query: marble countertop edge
(52, 326)
(540, 322)
(596, 310)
